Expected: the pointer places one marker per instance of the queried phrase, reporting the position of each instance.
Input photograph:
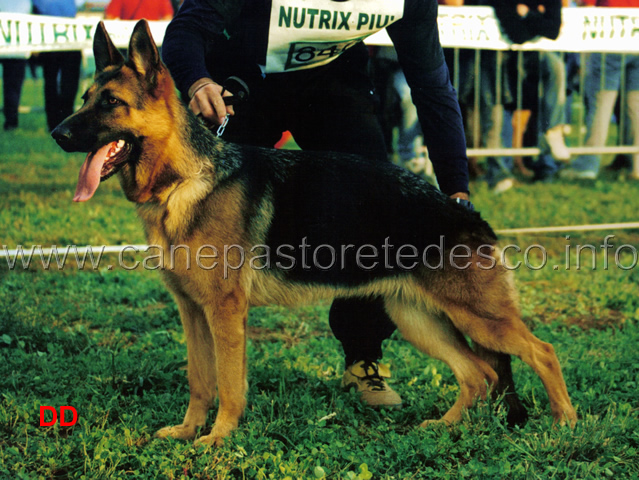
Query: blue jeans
(495, 127)
(500, 168)
(409, 127)
(552, 100)
(603, 81)
(551, 105)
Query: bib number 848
(306, 54)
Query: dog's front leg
(227, 321)
(201, 369)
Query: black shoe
(621, 162)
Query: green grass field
(108, 342)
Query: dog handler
(306, 68)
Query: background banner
(21, 33)
(584, 30)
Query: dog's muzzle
(63, 136)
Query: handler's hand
(461, 196)
(464, 200)
(206, 101)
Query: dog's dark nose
(61, 134)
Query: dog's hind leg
(490, 317)
(201, 370)
(501, 363)
(435, 335)
(227, 320)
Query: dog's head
(125, 106)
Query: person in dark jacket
(13, 69)
(306, 68)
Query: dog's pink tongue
(89, 179)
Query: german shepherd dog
(192, 190)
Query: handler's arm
(416, 39)
(190, 35)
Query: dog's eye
(110, 102)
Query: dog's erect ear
(142, 50)
(104, 51)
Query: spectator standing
(602, 84)
(138, 9)
(523, 21)
(60, 69)
(13, 69)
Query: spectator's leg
(632, 85)
(572, 61)
(601, 87)
(520, 120)
(50, 72)
(491, 118)
(553, 83)
(604, 103)
(552, 105)
(70, 64)
(13, 70)
(409, 128)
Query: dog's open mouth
(100, 165)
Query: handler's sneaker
(369, 379)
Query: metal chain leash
(222, 127)
(240, 92)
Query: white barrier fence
(610, 30)
(23, 34)
(584, 30)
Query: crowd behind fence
(474, 42)
(575, 121)
(584, 81)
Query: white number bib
(310, 33)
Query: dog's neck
(188, 165)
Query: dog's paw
(182, 432)
(567, 418)
(216, 437)
(209, 440)
(434, 423)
